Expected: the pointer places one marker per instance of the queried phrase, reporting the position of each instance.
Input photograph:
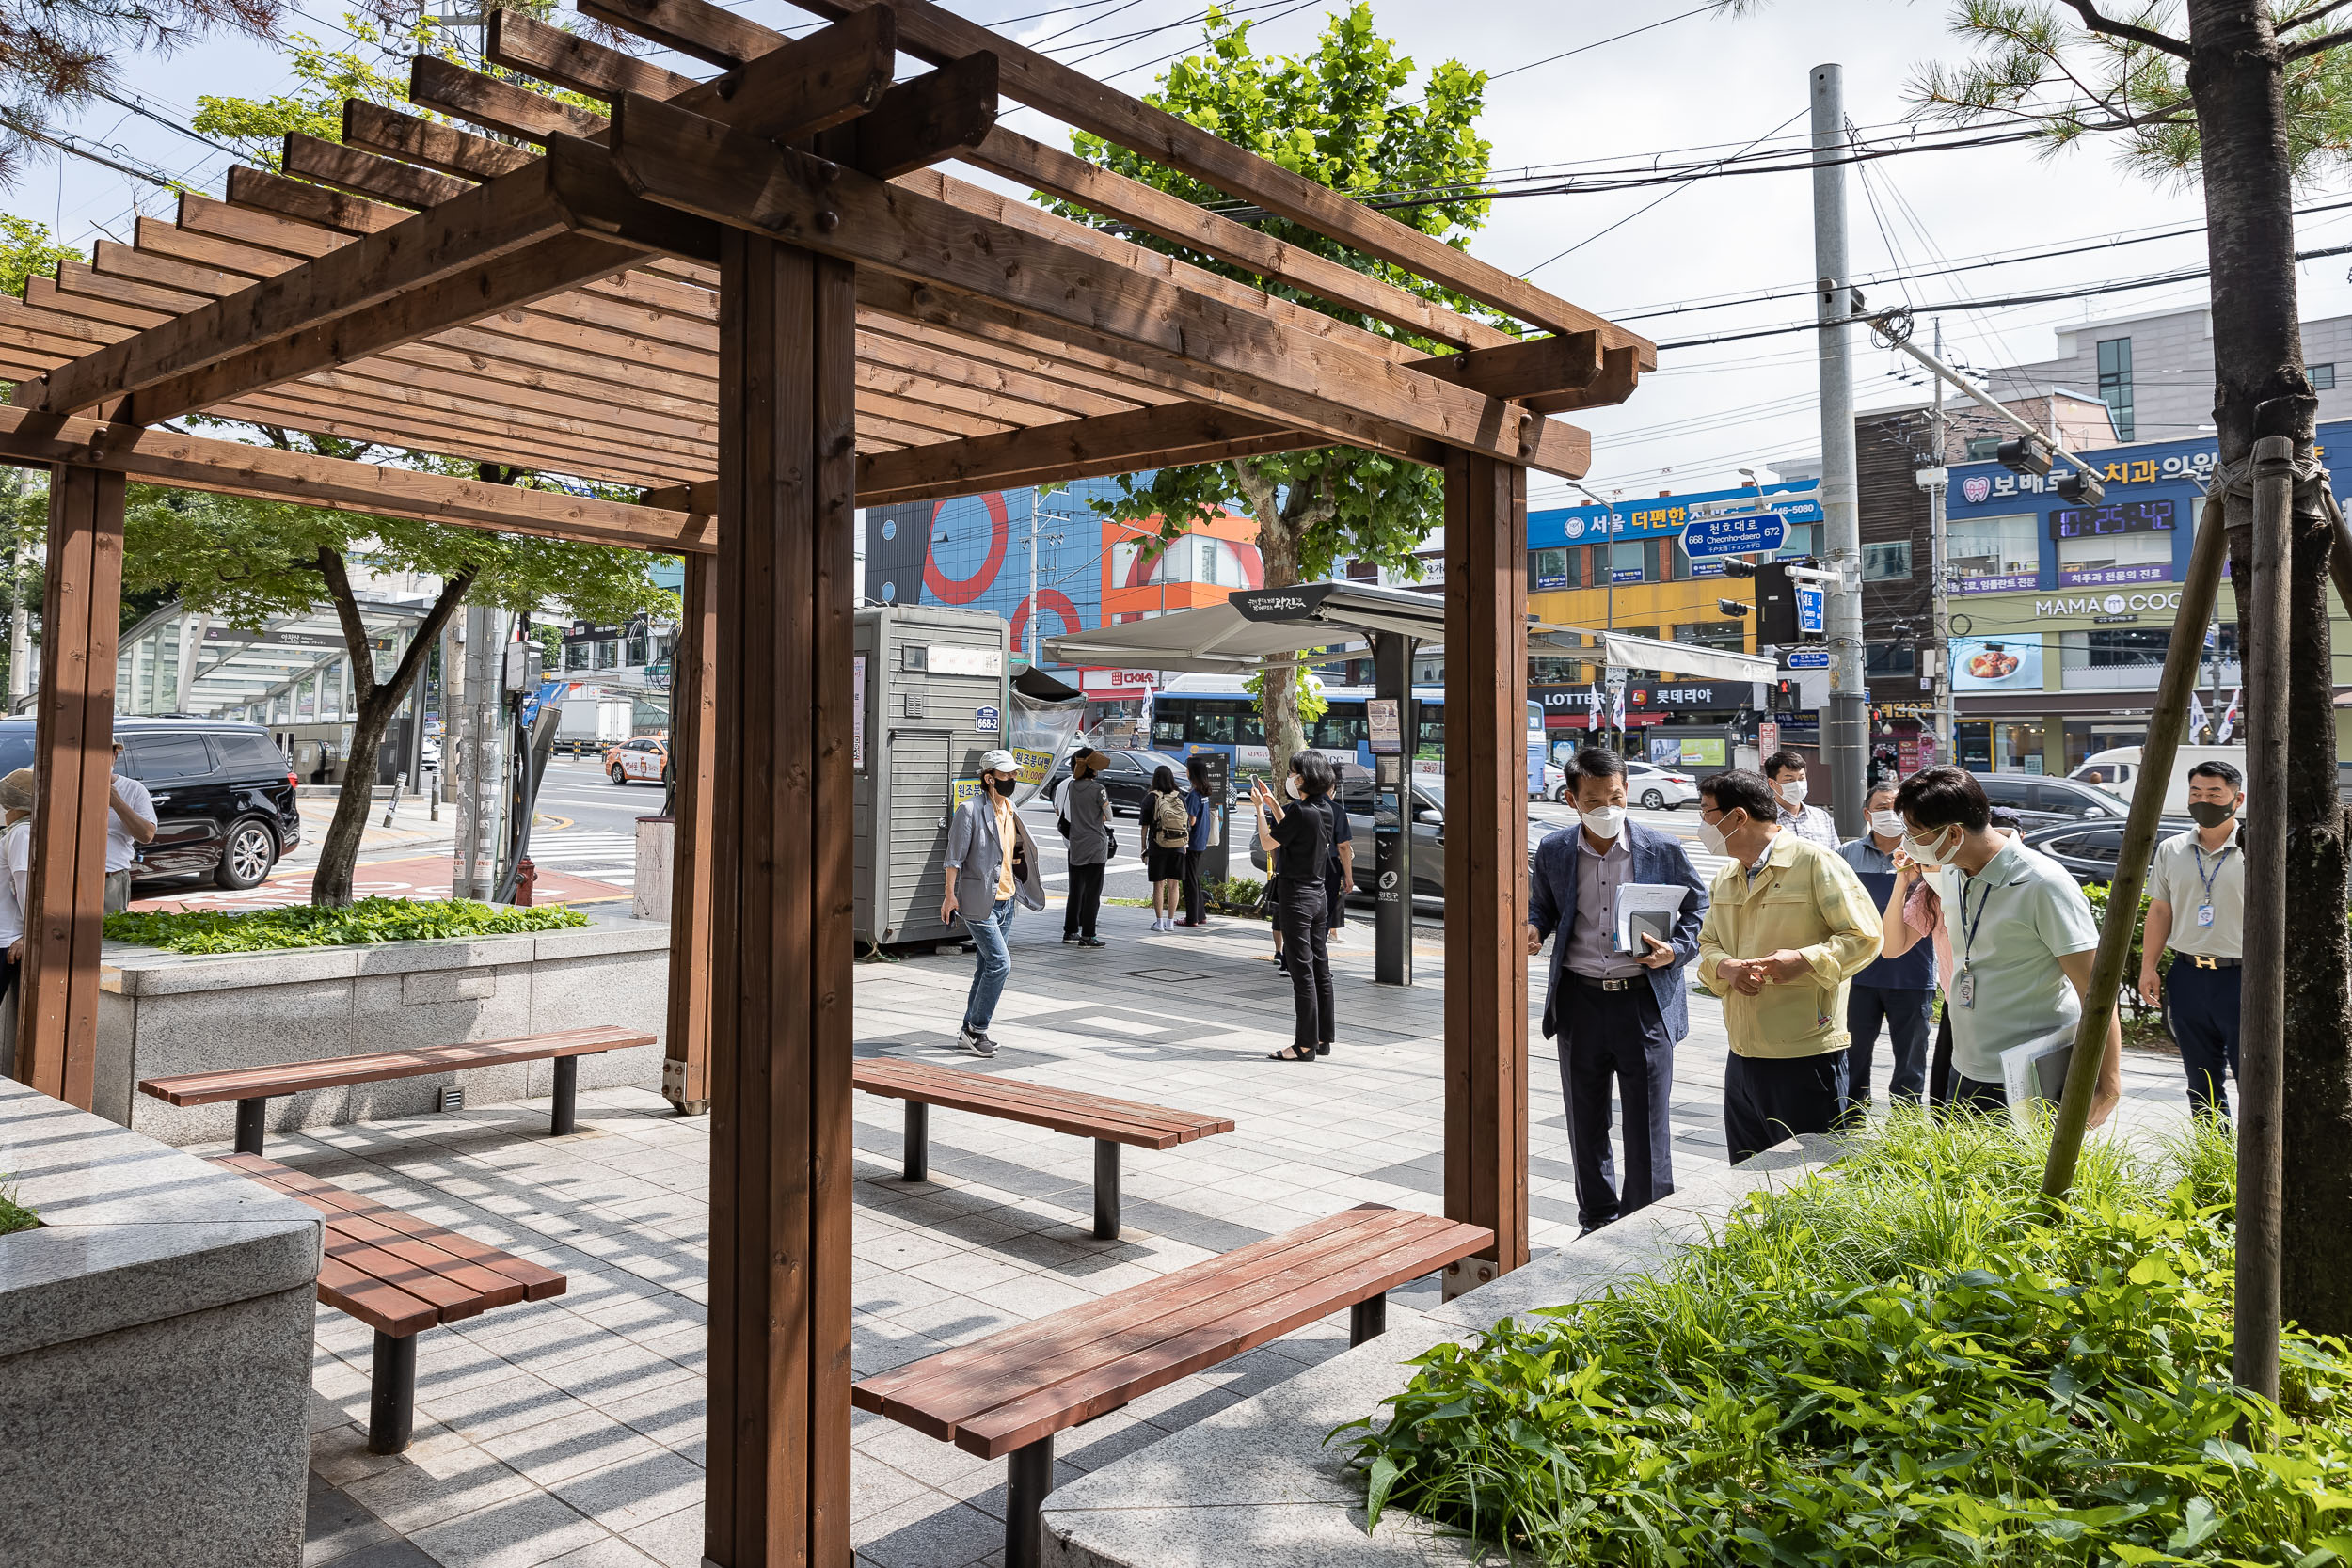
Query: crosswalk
(604, 857)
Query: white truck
(590, 721)
(2116, 769)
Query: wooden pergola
(756, 299)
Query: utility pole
(478, 774)
(1845, 725)
(1940, 586)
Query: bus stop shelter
(757, 300)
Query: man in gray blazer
(1617, 1016)
(991, 865)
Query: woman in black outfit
(1301, 830)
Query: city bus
(1206, 713)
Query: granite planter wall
(1256, 1484)
(163, 1013)
(154, 1353)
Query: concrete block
(448, 985)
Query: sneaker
(1092, 942)
(1069, 936)
(974, 1041)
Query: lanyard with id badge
(2204, 910)
(1964, 983)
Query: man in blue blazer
(1617, 1016)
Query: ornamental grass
(1898, 1361)
(369, 920)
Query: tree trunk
(339, 850)
(1279, 542)
(2236, 79)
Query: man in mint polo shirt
(2022, 935)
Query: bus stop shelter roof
(231, 672)
(1214, 640)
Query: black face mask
(1004, 786)
(2210, 814)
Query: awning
(1214, 640)
(1356, 606)
(1683, 658)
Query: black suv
(224, 796)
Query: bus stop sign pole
(1392, 813)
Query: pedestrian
(1166, 829)
(130, 822)
(1202, 809)
(1087, 809)
(2197, 908)
(1296, 824)
(2022, 934)
(1061, 814)
(1618, 1015)
(991, 866)
(1785, 770)
(1899, 992)
(1787, 925)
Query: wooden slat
(374, 1303)
(395, 133)
(326, 163)
(1074, 449)
(1485, 885)
(693, 741)
(682, 160)
(538, 1283)
(488, 101)
(232, 467)
(1125, 1122)
(207, 1088)
(919, 122)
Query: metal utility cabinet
(931, 693)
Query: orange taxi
(643, 760)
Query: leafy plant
(1235, 895)
(14, 1215)
(370, 920)
(1900, 1362)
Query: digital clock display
(2091, 522)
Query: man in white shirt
(2022, 935)
(1785, 771)
(130, 821)
(2197, 908)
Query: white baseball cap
(999, 761)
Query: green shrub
(1235, 895)
(14, 1215)
(1897, 1363)
(304, 925)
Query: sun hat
(999, 761)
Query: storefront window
(1987, 553)
(1889, 560)
(1629, 561)
(2017, 746)
(1973, 742)
(1556, 671)
(2121, 657)
(1713, 634)
(1890, 658)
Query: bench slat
(487, 1286)
(1107, 1386)
(379, 1306)
(1130, 1122)
(937, 1394)
(451, 1299)
(209, 1089)
(538, 1282)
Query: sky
(1650, 81)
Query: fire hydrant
(526, 874)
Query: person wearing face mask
(2197, 907)
(1617, 1016)
(1785, 770)
(1787, 925)
(1899, 992)
(2022, 936)
(1296, 823)
(991, 866)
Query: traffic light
(1733, 608)
(1776, 605)
(2080, 488)
(2027, 454)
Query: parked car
(2090, 851)
(2038, 801)
(643, 760)
(1126, 778)
(224, 796)
(1358, 794)
(1656, 788)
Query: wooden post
(1485, 848)
(72, 756)
(694, 735)
(778, 1487)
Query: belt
(2203, 962)
(1599, 984)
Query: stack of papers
(1648, 907)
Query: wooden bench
(1110, 1122)
(399, 1275)
(1009, 1393)
(253, 1087)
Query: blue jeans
(995, 952)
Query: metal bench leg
(1368, 1320)
(1106, 1189)
(1027, 1481)
(392, 1401)
(249, 1125)
(918, 1141)
(566, 1117)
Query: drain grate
(1166, 976)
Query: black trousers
(1618, 1042)
(1769, 1100)
(1975, 1094)
(1196, 901)
(1906, 1015)
(1306, 954)
(2200, 1008)
(1086, 901)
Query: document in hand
(1650, 907)
(2036, 1070)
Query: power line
(1638, 211)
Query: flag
(1616, 709)
(2229, 717)
(2196, 715)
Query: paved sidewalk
(570, 1431)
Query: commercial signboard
(1747, 533)
(1117, 683)
(1997, 663)
(1662, 516)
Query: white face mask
(1887, 824)
(1712, 835)
(1292, 786)
(1605, 821)
(1928, 851)
(1792, 791)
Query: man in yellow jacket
(1788, 926)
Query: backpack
(1171, 824)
